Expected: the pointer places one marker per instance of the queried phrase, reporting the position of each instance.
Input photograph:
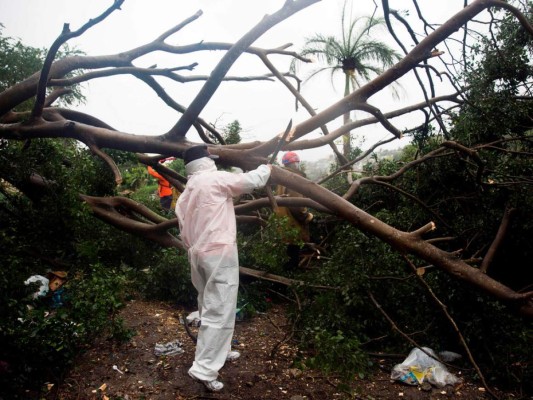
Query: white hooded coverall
(208, 229)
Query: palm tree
(355, 53)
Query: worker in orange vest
(164, 189)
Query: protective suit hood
(200, 166)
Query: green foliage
(504, 353)
(333, 323)
(168, 277)
(422, 138)
(502, 71)
(336, 353)
(179, 166)
(134, 177)
(231, 132)
(328, 324)
(56, 212)
(19, 62)
(40, 340)
(339, 325)
(94, 296)
(471, 213)
(253, 297)
(266, 248)
(451, 195)
(46, 227)
(147, 195)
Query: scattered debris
(422, 365)
(254, 376)
(118, 370)
(43, 285)
(169, 349)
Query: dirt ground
(255, 375)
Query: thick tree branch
(498, 239)
(404, 242)
(133, 217)
(212, 84)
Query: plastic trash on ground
(168, 349)
(420, 367)
(43, 285)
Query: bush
(48, 228)
(40, 341)
(266, 248)
(168, 277)
(334, 352)
(147, 195)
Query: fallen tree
(47, 121)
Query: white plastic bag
(43, 282)
(440, 377)
(419, 367)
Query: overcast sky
(262, 108)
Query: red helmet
(290, 157)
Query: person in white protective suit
(208, 229)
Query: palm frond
(319, 70)
(355, 50)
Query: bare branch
(108, 160)
(56, 94)
(207, 91)
(500, 235)
(63, 38)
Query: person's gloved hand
(309, 218)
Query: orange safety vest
(164, 186)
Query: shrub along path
(143, 375)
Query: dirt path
(254, 376)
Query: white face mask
(203, 164)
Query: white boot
(233, 355)
(213, 386)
